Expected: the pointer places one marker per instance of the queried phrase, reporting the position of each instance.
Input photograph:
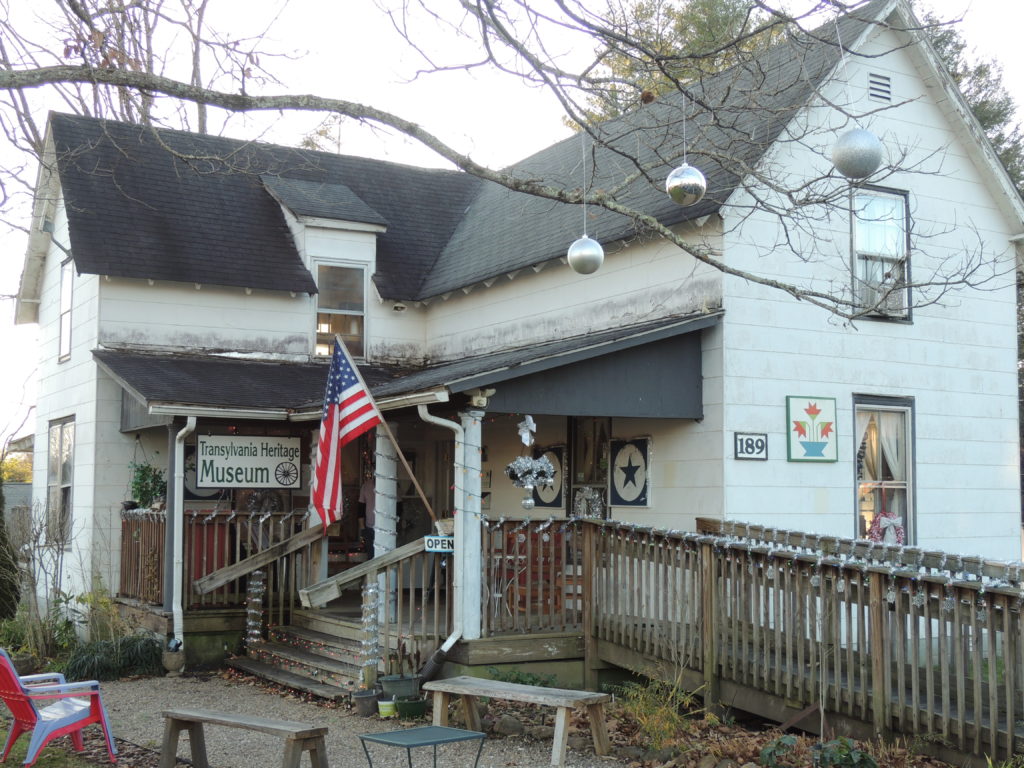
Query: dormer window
(340, 308)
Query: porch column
(469, 549)
(386, 492)
(386, 516)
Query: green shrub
(515, 675)
(114, 659)
(843, 753)
(778, 750)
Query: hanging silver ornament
(686, 185)
(586, 255)
(857, 154)
(528, 502)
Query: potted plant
(411, 707)
(397, 683)
(148, 484)
(365, 701)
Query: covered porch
(515, 565)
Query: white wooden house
(187, 287)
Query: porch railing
(213, 541)
(414, 588)
(904, 641)
(533, 576)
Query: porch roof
(649, 369)
(226, 387)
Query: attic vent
(879, 87)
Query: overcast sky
(356, 55)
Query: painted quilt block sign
(630, 475)
(811, 426)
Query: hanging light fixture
(857, 154)
(686, 185)
(585, 254)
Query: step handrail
(321, 593)
(229, 573)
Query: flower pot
(411, 707)
(365, 702)
(386, 707)
(400, 685)
(174, 662)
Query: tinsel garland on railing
(254, 608)
(370, 650)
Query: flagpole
(391, 437)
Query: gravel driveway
(134, 707)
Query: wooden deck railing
(412, 594)
(905, 641)
(213, 540)
(533, 576)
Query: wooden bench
(470, 688)
(299, 737)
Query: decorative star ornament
(527, 427)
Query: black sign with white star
(630, 480)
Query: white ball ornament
(857, 154)
(586, 256)
(686, 185)
(528, 502)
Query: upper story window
(881, 252)
(340, 308)
(67, 277)
(59, 470)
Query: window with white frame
(67, 278)
(885, 468)
(340, 308)
(881, 252)
(59, 472)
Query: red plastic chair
(75, 706)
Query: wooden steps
(305, 659)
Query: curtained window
(884, 472)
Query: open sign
(439, 543)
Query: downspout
(433, 665)
(178, 555)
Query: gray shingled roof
(200, 213)
(736, 115)
(218, 382)
(205, 214)
(319, 198)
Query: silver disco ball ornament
(686, 185)
(528, 502)
(586, 256)
(857, 154)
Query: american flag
(348, 412)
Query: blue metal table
(424, 736)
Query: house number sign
(750, 445)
